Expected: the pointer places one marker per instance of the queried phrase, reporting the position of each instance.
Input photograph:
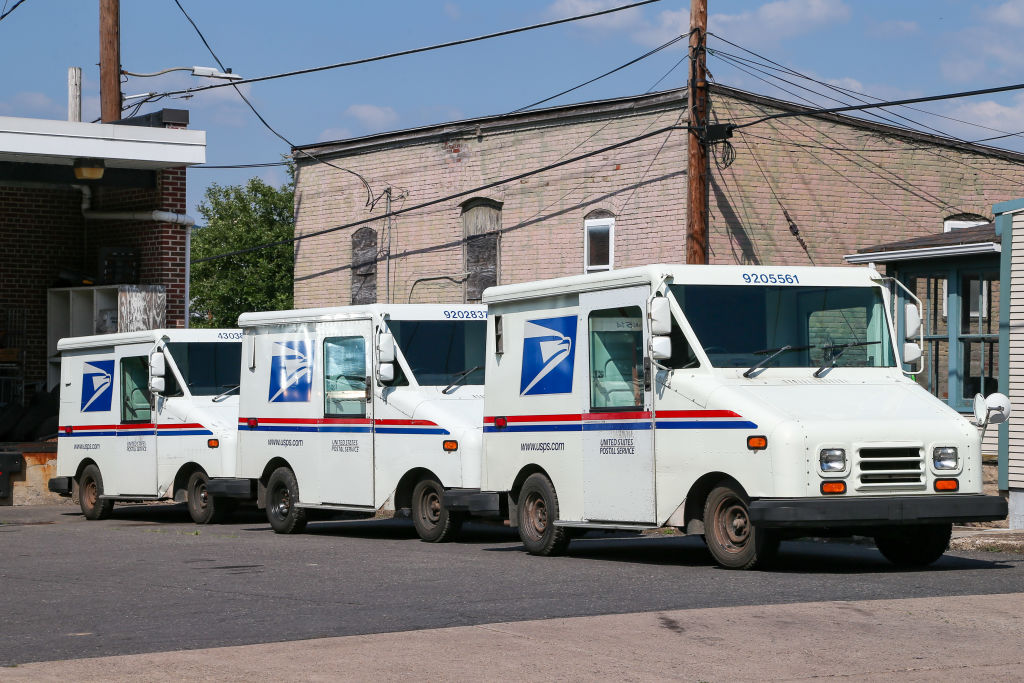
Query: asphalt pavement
(148, 580)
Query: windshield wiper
(831, 362)
(461, 376)
(775, 353)
(224, 394)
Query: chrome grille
(899, 468)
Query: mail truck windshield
(438, 351)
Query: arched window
(598, 241)
(481, 225)
(364, 266)
(963, 220)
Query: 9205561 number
(771, 278)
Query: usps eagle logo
(97, 386)
(291, 372)
(548, 354)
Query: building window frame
(956, 337)
(604, 224)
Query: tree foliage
(238, 217)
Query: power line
(13, 7)
(457, 195)
(403, 53)
(366, 185)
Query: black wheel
(732, 538)
(536, 513)
(914, 546)
(433, 521)
(90, 488)
(204, 508)
(283, 513)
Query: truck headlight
(832, 459)
(945, 458)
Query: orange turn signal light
(833, 487)
(450, 445)
(757, 443)
(213, 443)
(947, 485)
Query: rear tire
(731, 537)
(90, 488)
(915, 546)
(204, 508)
(433, 521)
(536, 513)
(282, 497)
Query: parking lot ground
(146, 589)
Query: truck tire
(731, 537)
(204, 508)
(90, 488)
(537, 511)
(433, 521)
(284, 515)
(914, 546)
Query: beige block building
(801, 190)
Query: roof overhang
(944, 251)
(42, 141)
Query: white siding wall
(1016, 369)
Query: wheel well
(698, 493)
(181, 479)
(403, 492)
(82, 465)
(522, 477)
(271, 466)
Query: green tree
(237, 218)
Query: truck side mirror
(157, 365)
(385, 348)
(911, 321)
(992, 410)
(156, 385)
(661, 316)
(661, 347)
(911, 352)
(386, 373)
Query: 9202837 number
(771, 278)
(465, 315)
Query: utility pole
(110, 60)
(74, 93)
(697, 150)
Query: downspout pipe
(155, 216)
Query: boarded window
(364, 266)
(481, 223)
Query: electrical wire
(13, 7)
(366, 184)
(403, 53)
(457, 195)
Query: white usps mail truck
(362, 408)
(148, 416)
(742, 403)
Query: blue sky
(887, 49)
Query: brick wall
(42, 232)
(842, 186)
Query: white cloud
(992, 114)
(452, 11)
(372, 117)
(33, 105)
(616, 21)
(778, 20)
(1008, 14)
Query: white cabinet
(83, 311)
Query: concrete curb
(991, 540)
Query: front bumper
(61, 485)
(812, 513)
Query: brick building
(125, 231)
(802, 190)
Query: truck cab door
(134, 472)
(618, 434)
(346, 444)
